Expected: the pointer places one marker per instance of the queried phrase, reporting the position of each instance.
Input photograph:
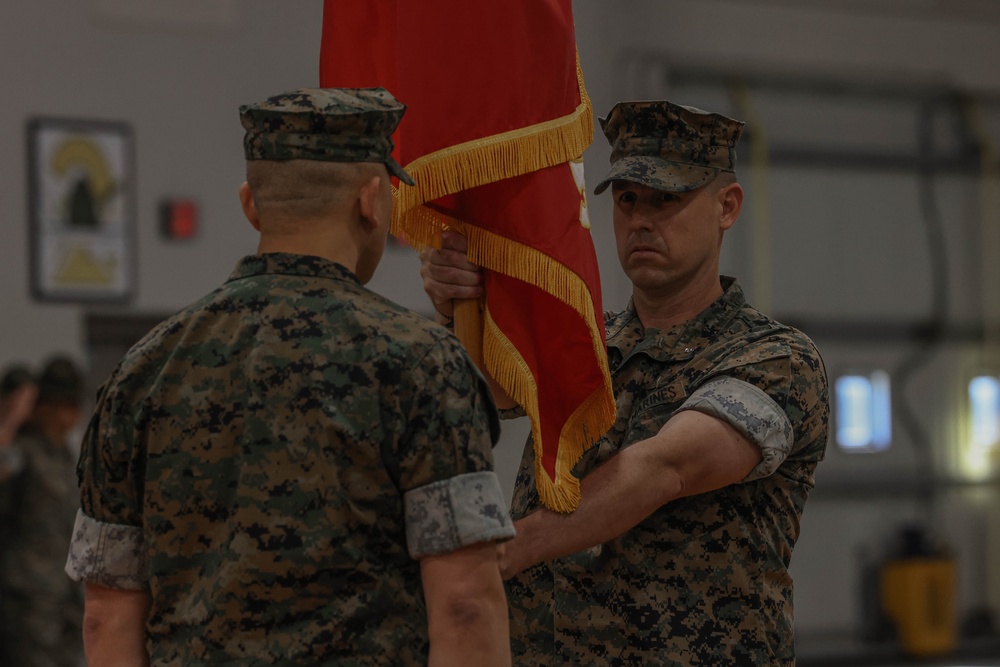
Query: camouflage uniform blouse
(272, 461)
(704, 580)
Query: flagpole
(469, 328)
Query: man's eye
(666, 197)
(626, 198)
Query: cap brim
(396, 170)
(658, 173)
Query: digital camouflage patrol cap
(668, 146)
(329, 124)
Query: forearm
(471, 632)
(114, 627)
(693, 453)
(614, 499)
(466, 608)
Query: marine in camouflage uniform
(272, 461)
(703, 580)
(41, 611)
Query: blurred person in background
(17, 398)
(42, 609)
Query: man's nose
(640, 220)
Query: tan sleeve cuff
(107, 554)
(750, 411)
(453, 513)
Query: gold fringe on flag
(485, 161)
(507, 367)
(494, 158)
(592, 417)
(503, 361)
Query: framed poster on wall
(82, 210)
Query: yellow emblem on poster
(81, 210)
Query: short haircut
(305, 189)
(722, 179)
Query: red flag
(497, 120)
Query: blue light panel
(863, 412)
(984, 400)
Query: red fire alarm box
(179, 219)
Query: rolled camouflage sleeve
(750, 411)
(107, 543)
(454, 513)
(106, 554)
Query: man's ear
(731, 200)
(367, 203)
(249, 207)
